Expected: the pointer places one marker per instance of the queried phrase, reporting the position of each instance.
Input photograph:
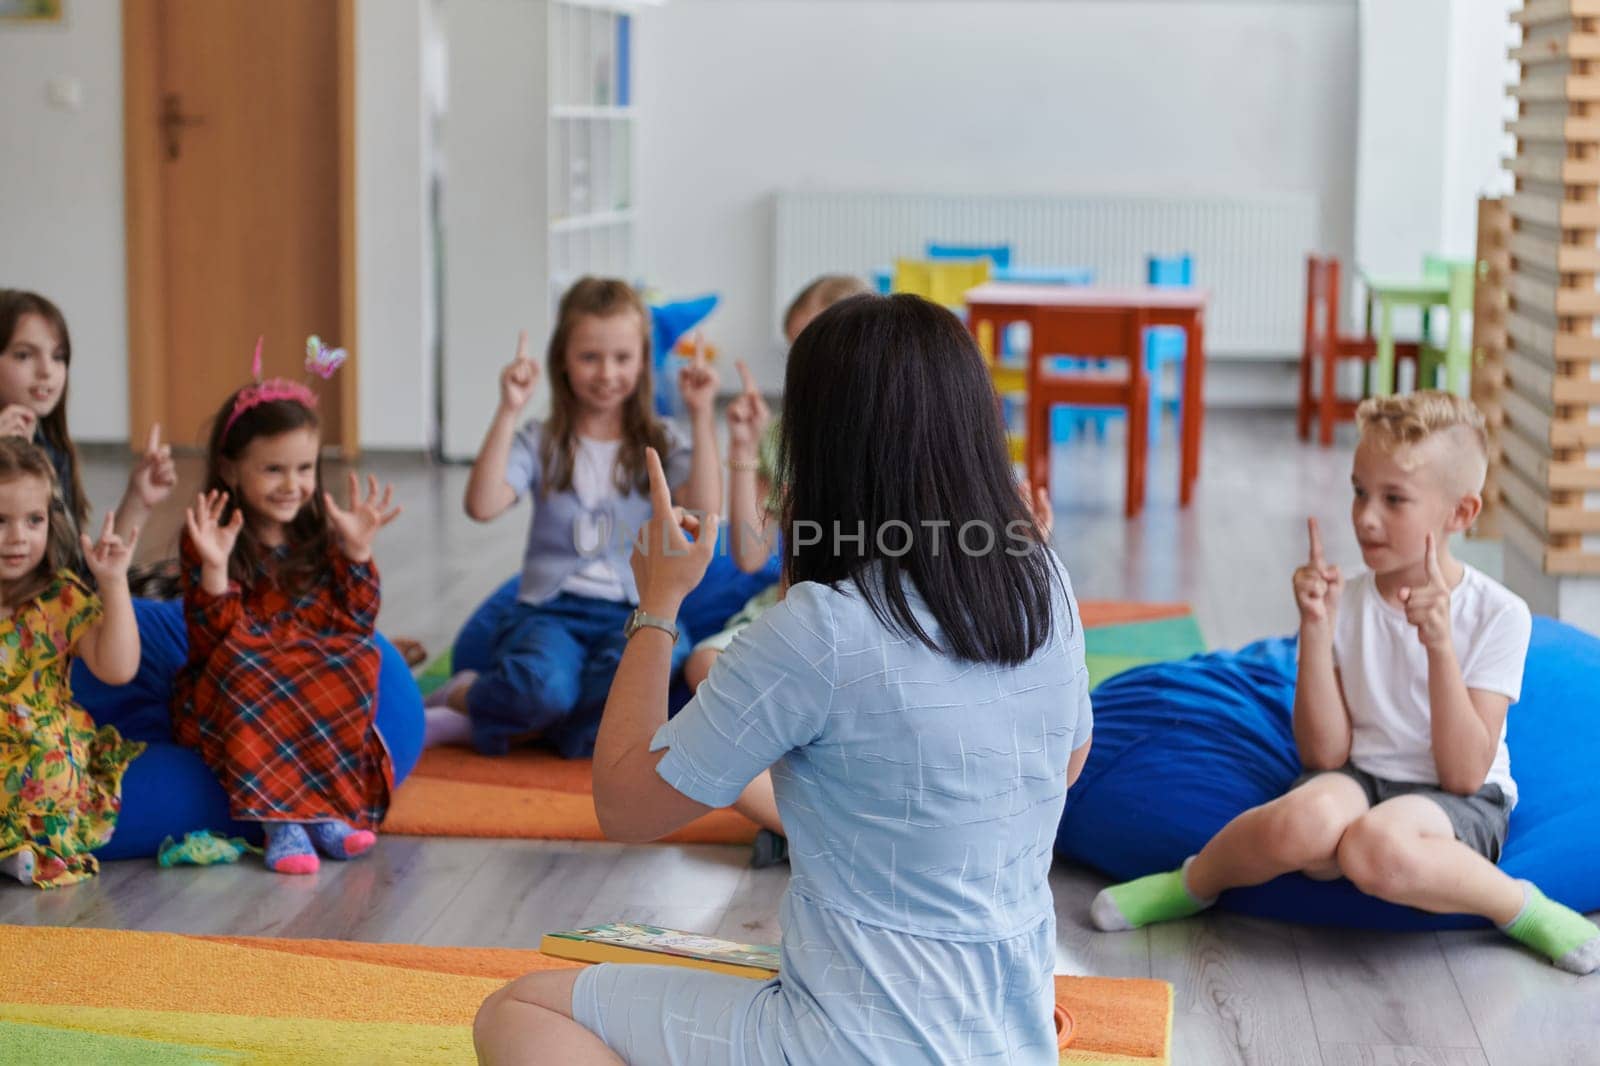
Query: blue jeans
(550, 675)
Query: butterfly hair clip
(322, 360)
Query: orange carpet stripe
(502, 964)
(435, 806)
(1119, 612)
(166, 972)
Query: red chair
(1325, 345)
(1114, 339)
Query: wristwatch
(638, 620)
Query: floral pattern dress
(60, 776)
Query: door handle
(174, 122)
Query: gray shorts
(1480, 820)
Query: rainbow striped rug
(143, 999)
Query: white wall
(1481, 35)
(394, 260)
(61, 198)
(61, 210)
(495, 210)
(740, 99)
(1433, 103)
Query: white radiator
(1250, 253)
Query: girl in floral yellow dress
(60, 777)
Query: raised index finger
(152, 443)
(1435, 575)
(522, 346)
(1316, 543)
(746, 378)
(660, 494)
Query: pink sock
(289, 849)
(337, 840)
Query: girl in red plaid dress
(281, 597)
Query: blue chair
(1045, 275)
(1164, 346)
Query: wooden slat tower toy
(1489, 344)
(1549, 436)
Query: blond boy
(1406, 673)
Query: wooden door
(240, 221)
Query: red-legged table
(1000, 304)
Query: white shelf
(591, 128)
(569, 111)
(611, 5)
(597, 220)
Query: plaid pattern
(279, 695)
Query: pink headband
(320, 360)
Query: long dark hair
(641, 429)
(14, 303)
(18, 459)
(889, 417)
(305, 563)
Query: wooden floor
(1248, 991)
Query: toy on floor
(202, 847)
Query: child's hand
(665, 565)
(1317, 586)
(748, 417)
(17, 421)
(1428, 607)
(356, 527)
(108, 558)
(211, 539)
(697, 383)
(155, 475)
(518, 378)
(1037, 501)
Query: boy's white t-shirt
(593, 483)
(1383, 669)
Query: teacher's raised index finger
(152, 442)
(746, 378)
(660, 494)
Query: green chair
(1445, 283)
(1455, 357)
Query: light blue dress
(920, 795)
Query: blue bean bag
(169, 790)
(1181, 748)
(718, 597)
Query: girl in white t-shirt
(1406, 674)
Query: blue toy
(1181, 748)
(168, 790)
(669, 322)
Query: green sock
(1560, 933)
(1156, 898)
